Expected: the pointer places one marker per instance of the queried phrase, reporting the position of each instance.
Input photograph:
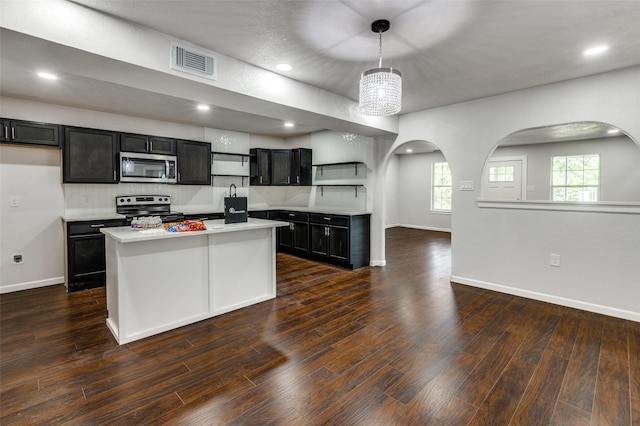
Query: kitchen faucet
(232, 186)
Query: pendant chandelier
(380, 88)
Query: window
(501, 174)
(441, 187)
(575, 177)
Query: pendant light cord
(380, 51)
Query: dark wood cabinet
(148, 144)
(280, 167)
(295, 237)
(30, 133)
(194, 162)
(260, 166)
(90, 156)
(86, 253)
(301, 163)
(343, 240)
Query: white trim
(598, 206)
(392, 225)
(31, 284)
(424, 228)
(378, 263)
(571, 303)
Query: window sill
(596, 207)
(445, 212)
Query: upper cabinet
(281, 166)
(260, 166)
(148, 144)
(194, 162)
(30, 133)
(90, 155)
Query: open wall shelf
(354, 186)
(355, 164)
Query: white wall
(33, 228)
(411, 192)
(619, 166)
(508, 249)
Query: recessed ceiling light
(284, 67)
(595, 50)
(47, 75)
(203, 107)
(612, 131)
(288, 124)
(409, 150)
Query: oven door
(148, 168)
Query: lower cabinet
(295, 237)
(85, 254)
(338, 239)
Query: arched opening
(572, 162)
(418, 192)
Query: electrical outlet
(555, 260)
(14, 201)
(17, 259)
(86, 200)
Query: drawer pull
(98, 225)
(292, 214)
(326, 218)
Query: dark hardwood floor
(378, 346)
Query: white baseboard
(31, 284)
(556, 300)
(424, 228)
(378, 263)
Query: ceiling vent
(193, 61)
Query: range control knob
(128, 200)
(122, 200)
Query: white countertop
(125, 234)
(320, 210)
(77, 217)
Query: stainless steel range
(147, 205)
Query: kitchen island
(159, 280)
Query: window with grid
(441, 187)
(501, 174)
(575, 177)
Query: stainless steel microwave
(148, 168)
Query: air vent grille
(192, 61)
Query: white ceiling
(447, 51)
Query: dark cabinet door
(90, 156)
(260, 166)
(86, 266)
(280, 167)
(285, 237)
(148, 144)
(30, 133)
(338, 242)
(194, 163)
(167, 146)
(301, 161)
(318, 239)
(300, 236)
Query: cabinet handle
(13, 133)
(293, 226)
(327, 231)
(6, 132)
(98, 225)
(146, 145)
(292, 214)
(297, 179)
(179, 177)
(150, 145)
(327, 218)
(114, 176)
(288, 179)
(260, 179)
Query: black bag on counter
(235, 209)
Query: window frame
(552, 175)
(433, 209)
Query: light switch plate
(466, 185)
(14, 201)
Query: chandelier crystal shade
(380, 88)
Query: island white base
(159, 284)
